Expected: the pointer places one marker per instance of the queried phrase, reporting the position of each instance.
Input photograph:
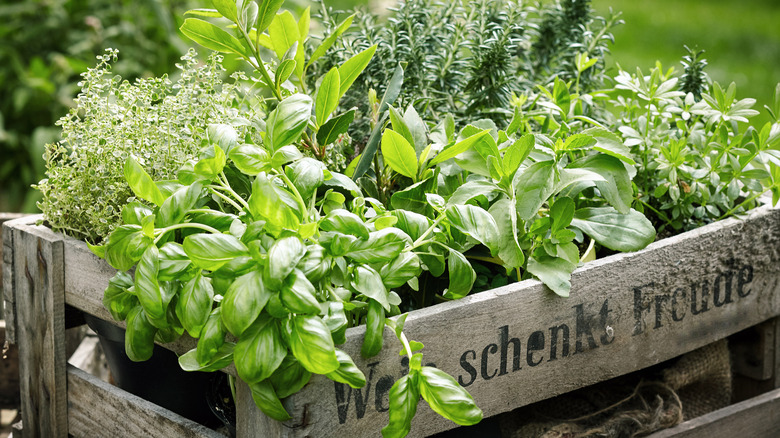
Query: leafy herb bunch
(700, 160)
(163, 123)
(469, 58)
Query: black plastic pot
(197, 396)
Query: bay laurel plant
(266, 256)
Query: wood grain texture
(6, 254)
(519, 344)
(40, 331)
(9, 309)
(98, 409)
(758, 417)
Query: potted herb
(267, 255)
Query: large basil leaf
(347, 371)
(282, 258)
(375, 326)
(134, 212)
(267, 202)
(173, 261)
(141, 183)
(462, 276)
(609, 143)
(307, 174)
(117, 298)
(259, 351)
(211, 251)
(471, 190)
(212, 338)
(346, 222)
(125, 246)
(179, 204)
(447, 398)
(139, 335)
(369, 283)
(400, 270)
(312, 345)
(297, 294)
(381, 246)
(288, 120)
(153, 298)
(211, 162)
(224, 357)
(250, 159)
(194, 305)
(505, 214)
(266, 399)
(243, 302)
(619, 232)
(616, 187)
(411, 223)
(404, 396)
(290, 377)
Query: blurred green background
(47, 43)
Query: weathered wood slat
(98, 409)
(5, 217)
(758, 417)
(40, 331)
(9, 309)
(519, 344)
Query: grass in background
(741, 40)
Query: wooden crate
(509, 347)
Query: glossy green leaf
(259, 351)
(509, 251)
(312, 345)
(266, 399)
(290, 377)
(368, 282)
(381, 246)
(211, 162)
(250, 159)
(211, 251)
(375, 326)
(327, 95)
(150, 294)
(417, 128)
(327, 43)
(266, 202)
(134, 212)
(447, 398)
(282, 258)
(561, 213)
(616, 231)
(288, 120)
(337, 322)
(461, 274)
(244, 301)
(223, 358)
(298, 294)
(351, 69)
(125, 246)
(399, 125)
(212, 338)
(173, 262)
(533, 187)
(347, 371)
(346, 222)
(400, 270)
(141, 183)
(223, 135)
(117, 297)
(284, 71)
(399, 154)
(284, 155)
(404, 396)
(179, 204)
(411, 223)
(194, 305)
(139, 335)
(212, 37)
(307, 174)
(475, 222)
